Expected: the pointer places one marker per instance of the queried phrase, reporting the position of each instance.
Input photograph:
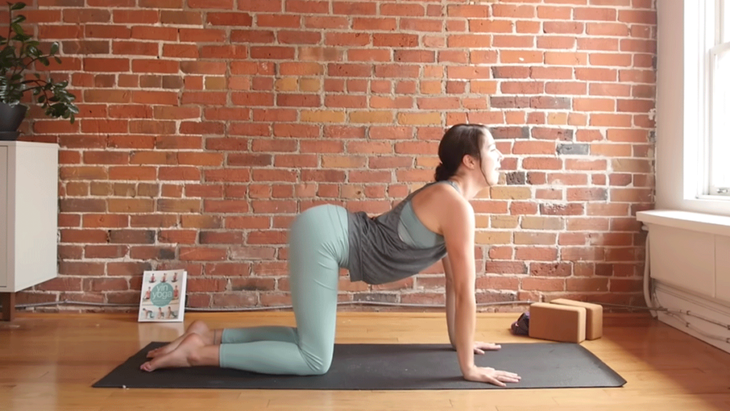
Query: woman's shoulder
(441, 191)
(441, 204)
(437, 186)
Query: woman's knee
(320, 368)
(318, 364)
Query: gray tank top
(392, 246)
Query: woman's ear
(469, 162)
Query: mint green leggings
(318, 247)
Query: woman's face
(491, 159)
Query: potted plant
(18, 54)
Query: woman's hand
(490, 375)
(480, 347)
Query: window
(717, 164)
(691, 168)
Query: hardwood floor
(50, 361)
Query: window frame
(714, 43)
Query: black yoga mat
(390, 367)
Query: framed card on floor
(163, 296)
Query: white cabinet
(28, 217)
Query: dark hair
(459, 140)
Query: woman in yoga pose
(434, 222)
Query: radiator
(687, 275)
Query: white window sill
(706, 223)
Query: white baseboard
(675, 299)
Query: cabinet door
(3, 216)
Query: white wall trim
(681, 302)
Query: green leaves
(18, 52)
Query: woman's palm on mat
(489, 374)
(492, 376)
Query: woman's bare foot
(183, 356)
(197, 327)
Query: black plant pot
(10, 118)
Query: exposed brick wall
(207, 125)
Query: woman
(400, 243)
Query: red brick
(353, 8)
(373, 24)
(395, 40)
(402, 10)
(475, 10)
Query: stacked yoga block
(566, 321)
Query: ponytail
(442, 173)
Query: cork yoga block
(594, 316)
(557, 322)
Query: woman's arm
(450, 301)
(479, 347)
(458, 230)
